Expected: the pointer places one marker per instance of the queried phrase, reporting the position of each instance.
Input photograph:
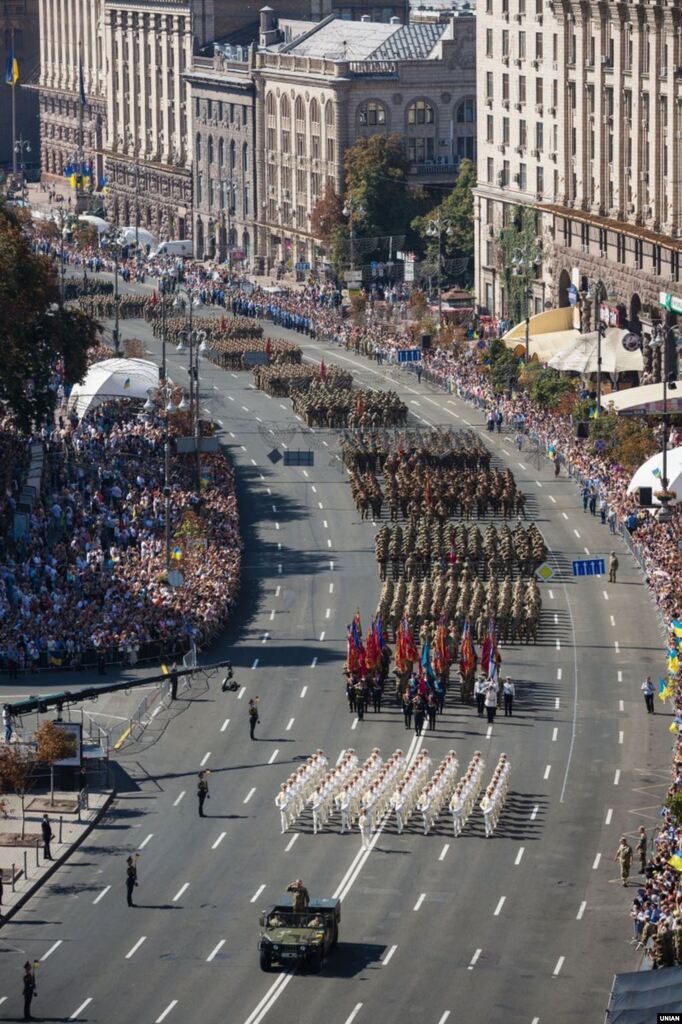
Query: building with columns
(580, 120)
(67, 29)
(222, 102)
(336, 81)
(19, 19)
(149, 45)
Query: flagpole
(14, 114)
(81, 155)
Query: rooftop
(368, 40)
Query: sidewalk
(23, 860)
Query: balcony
(434, 168)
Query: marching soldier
(641, 848)
(131, 878)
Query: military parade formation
(376, 794)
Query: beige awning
(646, 399)
(542, 346)
(548, 322)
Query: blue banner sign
(589, 567)
(409, 355)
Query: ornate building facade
(19, 20)
(581, 117)
(149, 45)
(222, 104)
(339, 81)
(71, 30)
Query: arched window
(271, 121)
(420, 112)
(209, 148)
(245, 158)
(315, 129)
(198, 149)
(329, 131)
(233, 156)
(285, 112)
(221, 152)
(421, 132)
(299, 116)
(466, 111)
(371, 115)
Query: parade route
(526, 927)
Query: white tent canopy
(113, 378)
(646, 399)
(651, 472)
(581, 355)
(145, 237)
(97, 222)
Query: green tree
(53, 744)
(377, 187)
(520, 236)
(35, 333)
(458, 209)
(545, 386)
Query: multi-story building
(19, 21)
(336, 81)
(221, 101)
(71, 35)
(580, 120)
(149, 45)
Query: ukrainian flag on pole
(12, 69)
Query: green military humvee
(290, 937)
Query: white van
(176, 247)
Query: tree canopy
(35, 332)
(458, 209)
(377, 187)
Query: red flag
(360, 405)
(154, 299)
(268, 347)
(323, 371)
(467, 657)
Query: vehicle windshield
(290, 919)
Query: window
(538, 91)
(538, 45)
(488, 42)
(197, 149)
(522, 45)
(299, 115)
(200, 188)
(523, 177)
(505, 42)
(329, 131)
(490, 170)
(285, 112)
(271, 121)
(675, 266)
(209, 149)
(639, 254)
(466, 111)
(539, 136)
(505, 86)
(233, 156)
(314, 129)
(221, 152)
(371, 114)
(656, 259)
(421, 112)
(245, 159)
(540, 180)
(505, 131)
(489, 130)
(209, 109)
(522, 88)
(523, 134)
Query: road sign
(589, 567)
(409, 271)
(299, 458)
(255, 359)
(669, 301)
(352, 277)
(545, 572)
(409, 355)
(175, 578)
(301, 265)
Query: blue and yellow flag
(12, 69)
(664, 690)
(176, 553)
(126, 384)
(656, 472)
(676, 627)
(676, 860)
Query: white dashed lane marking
(249, 795)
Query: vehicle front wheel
(265, 960)
(315, 963)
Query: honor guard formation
(372, 794)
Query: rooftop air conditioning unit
(502, 148)
(535, 64)
(517, 179)
(519, 62)
(518, 106)
(551, 111)
(535, 153)
(505, 60)
(538, 109)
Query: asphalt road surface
(528, 926)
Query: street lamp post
(163, 283)
(659, 341)
(115, 246)
(436, 228)
(196, 342)
(350, 210)
(525, 262)
(21, 147)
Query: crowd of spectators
(86, 583)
